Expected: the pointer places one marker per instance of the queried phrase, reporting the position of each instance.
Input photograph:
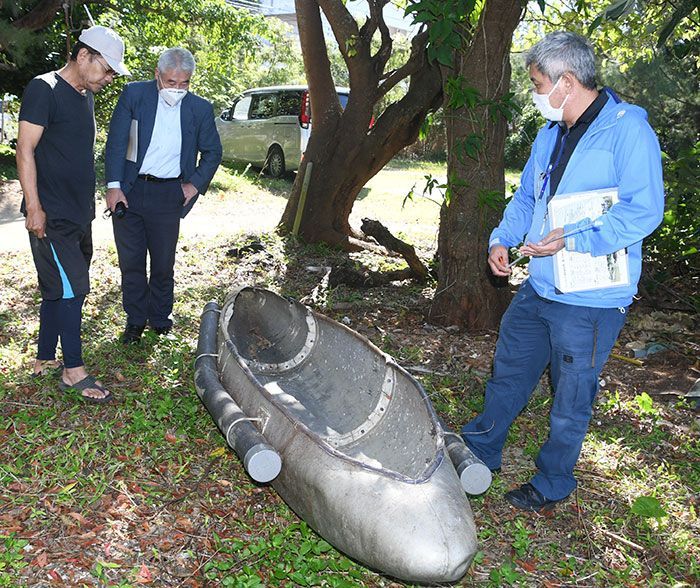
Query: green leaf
(645, 403)
(648, 507)
(469, 146)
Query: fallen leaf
(144, 576)
(184, 524)
(528, 565)
(80, 518)
(68, 487)
(41, 560)
(170, 438)
(54, 576)
(218, 452)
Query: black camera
(119, 210)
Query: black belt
(150, 178)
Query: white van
(269, 127)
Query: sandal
(48, 370)
(89, 382)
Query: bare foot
(42, 367)
(95, 391)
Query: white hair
(561, 52)
(176, 58)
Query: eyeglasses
(108, 70)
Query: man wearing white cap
(55, 164)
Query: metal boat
(363, 455)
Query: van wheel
(275, 162)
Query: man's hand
(115, 195)
(498, 260)
(547, 246)
(189, 191)
(36, 221)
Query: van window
(240, 109)
(263, 106)
(289, 103)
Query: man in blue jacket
(591, 142)
(162, 152)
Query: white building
(284, 10)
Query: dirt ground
(207, 219)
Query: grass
(144, 491)
(8, 169)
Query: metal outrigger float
(360, 452)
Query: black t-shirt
(65, 161)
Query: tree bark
(40, 16)
(467, 293)
(383, 236)
(344, 150)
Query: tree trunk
(344, 150)
(344, 160)
(467, 293)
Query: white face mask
(545, 107)
(171, 95)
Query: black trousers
(151, 226)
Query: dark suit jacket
(138, 102)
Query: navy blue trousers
(62, 260)
(150, 227)
(62, 319)
(575, 342)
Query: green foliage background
(234, 49)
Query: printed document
(132, 149)
(576, 272)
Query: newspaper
(576, 272)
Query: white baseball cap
(108, 44)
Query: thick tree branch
(41, 16)
(383, 236)
(342, 23)
(44, 13)
(367, 30)
(325, 107)
(382, 56)
(412, 65)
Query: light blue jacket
(620, 150)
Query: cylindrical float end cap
(211, 305)
(262, 463)
(475, 478)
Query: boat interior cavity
(334, 382)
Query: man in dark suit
(153, 175)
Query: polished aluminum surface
(364, 456)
